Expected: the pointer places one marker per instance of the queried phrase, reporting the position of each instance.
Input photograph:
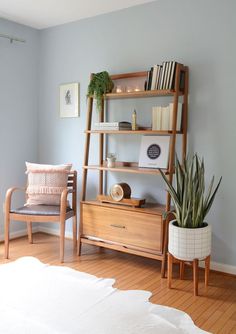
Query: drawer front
(122, 226)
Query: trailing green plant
(191, 203)
(99, 85)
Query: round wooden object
(119, 191)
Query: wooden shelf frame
(175, 94)
(134, 132)
(126, 169)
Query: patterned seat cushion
(40, 210)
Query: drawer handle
(118, 226)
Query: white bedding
(36, 298)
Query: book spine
(154, 115)
(154, 77)
(179, 116)
(165, 118)
(158, 118)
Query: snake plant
(191, 203)
(99, 85)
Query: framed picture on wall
(154, 151)
(69, 100)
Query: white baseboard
(224, 268)
(221, 267)
(53, 231)
(20, 233)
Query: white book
(158, 118)
(179, 116)
(154, 115)
(165, 118)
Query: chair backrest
(72, 185)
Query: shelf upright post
(87, 144)
(101, 150)
(185, 113)
(171, 163)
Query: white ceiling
(47, 13)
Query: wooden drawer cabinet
(126, 227)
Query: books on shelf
(162, 117)
(112, 126)
(162, 76)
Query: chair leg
(195, 276)
(29, 230)
(79, 244)
(75, 233)
(7, 226)
(62, 240)
(207, 269)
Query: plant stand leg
(181, 270)
(207, 269)
(195, 276)
(169, 270)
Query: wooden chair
(44, 214)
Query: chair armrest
(9, 193)
(64, 195)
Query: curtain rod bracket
(12, 38)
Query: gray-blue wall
(199, 34)
(18, 107)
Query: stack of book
(112, 126)
(162, 117)
(162, 76)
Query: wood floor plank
(214, 310)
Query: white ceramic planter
(189, 243)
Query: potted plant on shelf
(99, 85)
(189, 234)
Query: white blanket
(36, 298)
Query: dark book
(150, 79)
(159, 77)
(171, 83)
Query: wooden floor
(214, 310)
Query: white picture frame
(69, 100)
(154, 152)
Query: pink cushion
(46, 183)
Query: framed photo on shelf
(69, 100)
(154, 152)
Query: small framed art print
(154, 151)
(69, 100)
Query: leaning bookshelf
(136, 230)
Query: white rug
(36, 298)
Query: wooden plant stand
(195, 262)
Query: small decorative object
(129, 89)
(111, 158)
(99, 85)
(118, 89)
(69, 100)
(154, 151)
(191, 206)
(119, 191)
(134, 120)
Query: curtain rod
(13, 38)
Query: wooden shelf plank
(148, 208)
(130, 132)
(146, 93)
(126, 169)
